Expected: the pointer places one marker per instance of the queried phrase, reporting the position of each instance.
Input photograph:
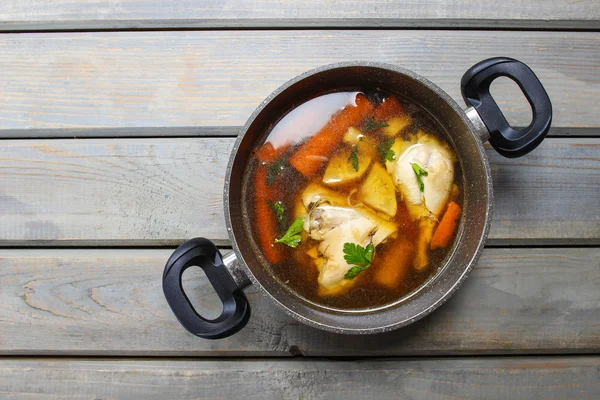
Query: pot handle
(475, 87)
(203, 253)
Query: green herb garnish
(279, 210)
(275, 169)
(418, 173)
(370, 124)
(385, 150)
(353, 159)
(292, 236)
(359, 257)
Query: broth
(374, 179)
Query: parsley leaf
(275, 169)
(279, 210)
(353, 159)
(385, 150)
(352, 272)
(359, 257)
(292, 236)
(418, 173)
(370, 124)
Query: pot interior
(476, 186)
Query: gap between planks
(197, 131)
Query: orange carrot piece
(391, 267)
(268, 154)
(388, 109)
(446, 227)
(311, 156)
(266, 220)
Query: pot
(481, 121)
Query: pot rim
(484, 161)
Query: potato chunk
(340, 169)
(396, 125)
(378, 191)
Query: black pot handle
(475, 87)
(204, 254)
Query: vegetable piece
(385, 151)
(292, 236)
(309, 158)
(454, 192)
(371, 124)
(313, 252)
(353, 136)
(378, 191)
(339, 171)
(279, 210)
(353, 159)
(418, 173)
(391, 267)
(390, 107)
(266, 220)
(447, 226)
(268, 154)
(426, 227)
(359, 257)
(275, 169)
(397, 125)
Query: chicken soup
(353, 199)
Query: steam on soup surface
(353, 199)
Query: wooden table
(117, 119)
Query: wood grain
(162, 191)
(461, 378)
(110, 302)
(119, 14)
(217, 78)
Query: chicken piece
(436, 158)
(333, 223)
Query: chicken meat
(426, 203)
(333, 222)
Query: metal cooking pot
(468, 129)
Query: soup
(353, 199)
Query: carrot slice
(266, 220)
(447, 226)
(311, 156)
(394, 263)
(388, 109)
(268, 154)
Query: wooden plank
(162, 191)
(110, 302)
(460, 378)
(131, 14)
(57, 81)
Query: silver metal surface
(464, 134)
(479, 126)
(236, 270)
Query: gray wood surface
(162, 191)
(110, 302)
(217, 78)
(444, 378)
(115, 14)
